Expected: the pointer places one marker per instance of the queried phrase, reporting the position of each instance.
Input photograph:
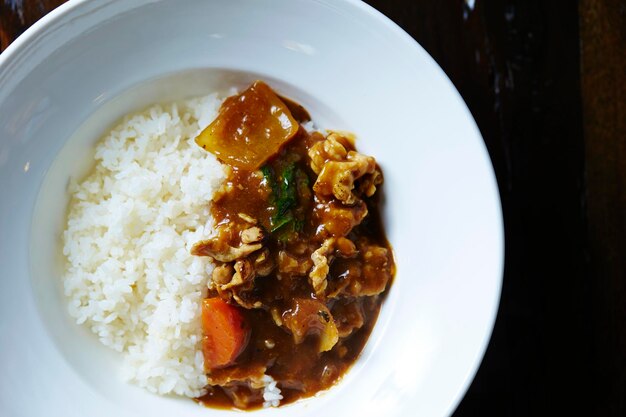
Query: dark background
(546, 83)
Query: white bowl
(87, 63)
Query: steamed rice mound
(129, 276)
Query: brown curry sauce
(285, 308)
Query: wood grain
(18, 15)
(517, 66)
(603, 64)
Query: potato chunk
(250, 128)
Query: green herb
(298, 225)
(268, 174)
(287, 196)
(280, 222)
(284, 198)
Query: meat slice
(252, 235)
(364, 275)
(225, 247)
(338, 220)
(339, 166)
(239, 285)
(238, 249)
(244, 273)
(337, 178)
(222, 251)
(252, 375)
(222, 274)
(368, 185)
(332, 148)
(322, 258)
(235, 280)
(263, 263)
(307, 317)
(289, 264)
(376, 271)
(244, 386)
(349, 315)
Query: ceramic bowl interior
(76, 72)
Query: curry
(302, 260)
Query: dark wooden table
(546, 83)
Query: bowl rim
(22, 46)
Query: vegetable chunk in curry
(302, 261)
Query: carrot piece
(225, 332)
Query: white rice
(271, 393)
(130, 277)
(131, 224)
